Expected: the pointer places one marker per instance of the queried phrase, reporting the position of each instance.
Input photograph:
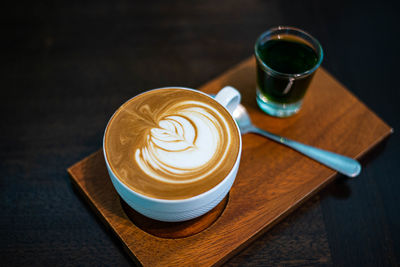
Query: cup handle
(229, 97)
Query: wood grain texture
(272, 180)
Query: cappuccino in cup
(172, 145)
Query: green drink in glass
(287, 59)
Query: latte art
(171, 143)
(181, 149)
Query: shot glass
(287, 59)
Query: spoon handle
(340, 163)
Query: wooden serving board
(272, 180)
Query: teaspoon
(340, 163)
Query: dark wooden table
(66, 66)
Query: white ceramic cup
(189, 208)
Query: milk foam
(185, 147)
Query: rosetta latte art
(187, 144)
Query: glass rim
(314, 41)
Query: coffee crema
(171, 143)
